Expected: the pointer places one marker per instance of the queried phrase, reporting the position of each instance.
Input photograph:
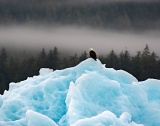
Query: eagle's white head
(91, 49)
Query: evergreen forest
(14, 68)
(113, 15)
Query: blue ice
(85, 95)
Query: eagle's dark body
(93, 54)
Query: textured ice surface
(37, 119)
(85, 95)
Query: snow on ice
(85, 95)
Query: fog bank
(77, 39)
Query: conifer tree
(64, 63)
(3, 70)
(125, 60)
(145, 63)
(112, 60)
(53, 59)
(41, 62)
(153, 62)
(56, 58)
(3, 59)
(83, 56)
(73, 60)
(146, 52)
(136, 65)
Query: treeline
(143, 65)
(119, 15)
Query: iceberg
(88, 94)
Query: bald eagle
(92, 54)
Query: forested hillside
(117, 15)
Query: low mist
(76, 39)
